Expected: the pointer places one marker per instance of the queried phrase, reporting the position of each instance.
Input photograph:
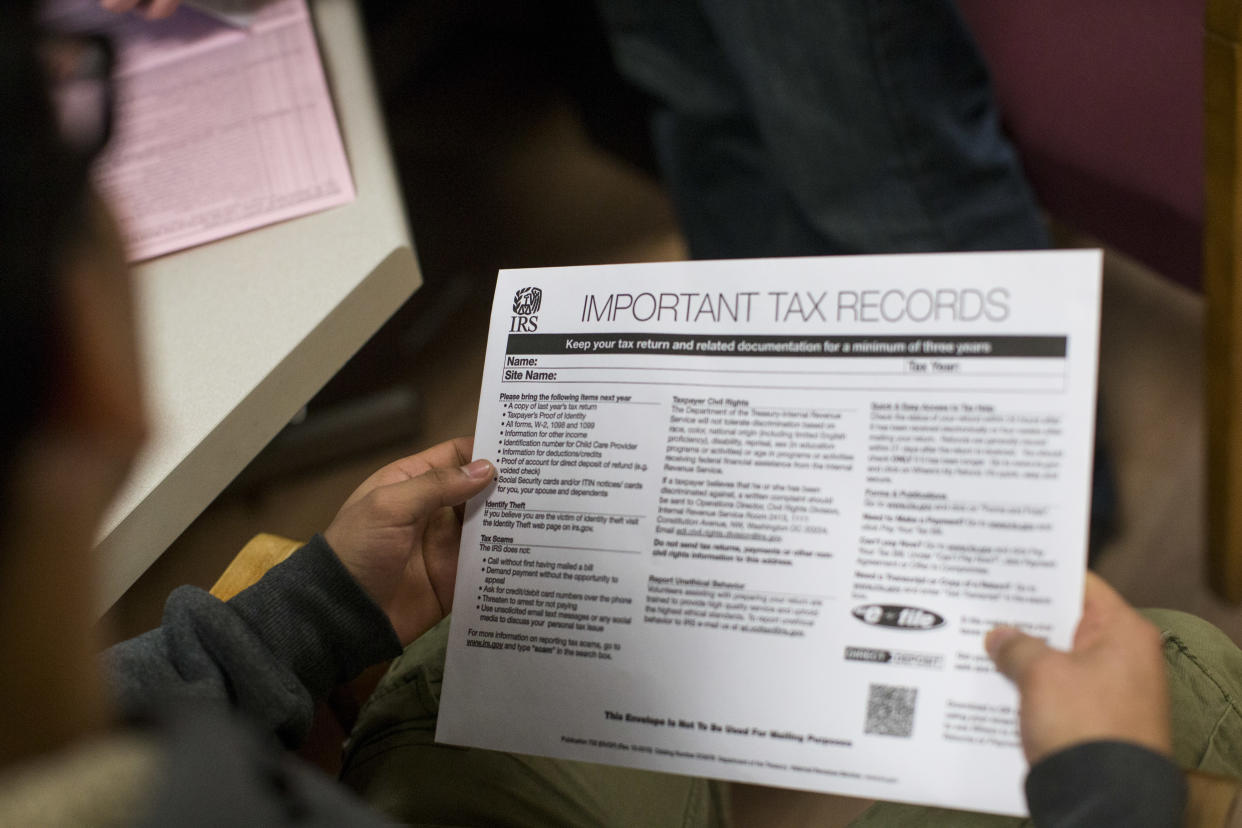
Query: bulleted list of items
(570, 470)
(747, 480)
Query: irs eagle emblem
(527, 301)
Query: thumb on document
(1013, 652)
(398, 533)
(417, 498)
(1110, 686)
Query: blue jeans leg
(792, 127)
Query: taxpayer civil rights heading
(882, 306)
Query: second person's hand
(1110, 686)
(398, 533)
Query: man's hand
(153, 10)
(398, 533)
(1110, 686)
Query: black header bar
(931, 346)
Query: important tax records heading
(530, 344)
(891, 305)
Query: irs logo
(527, 301)
(526, 304)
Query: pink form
(218, 130)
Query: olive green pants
(392, 760)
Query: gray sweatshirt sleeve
(1104, 784)
(270, 652)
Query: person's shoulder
(105, 780)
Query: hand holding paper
(1116, 672)
(398, 533)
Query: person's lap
(393, 762)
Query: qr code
(890, 710)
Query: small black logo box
(527, 301)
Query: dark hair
(40, 190)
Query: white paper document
(753, 518)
